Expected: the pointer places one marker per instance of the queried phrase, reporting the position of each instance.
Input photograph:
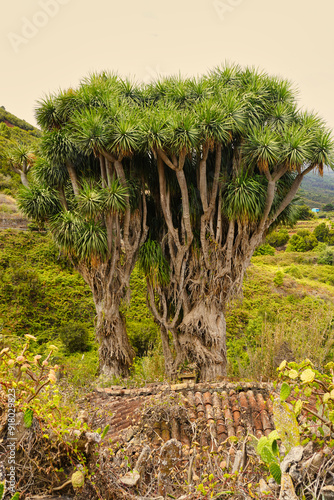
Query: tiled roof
(220, 410)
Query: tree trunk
(24, 179)
(202, 340)
(115, 352)
(108, 284)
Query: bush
(303, 241)
(304, 213)
(321, 232)
(264, 250)
(326, 257)
(294, 271)
(330, 240)
(278, 280)
(75, 337)
(278, 238)
(328, 208)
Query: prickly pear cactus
(286, 424)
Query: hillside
(317, 191)
(13, 131)
(284, 295)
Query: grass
(287, 305)
(295, 316)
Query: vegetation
(201, 170)
(15, 135)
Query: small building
(316, 210)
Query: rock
(142, 460)
(238, 461)
(313, 464)
(308, 449)
(327, 492)
(273, 485)
(83, 416)
(287, 489)
(130, 478)
(169, 456)
(93, 436)
(294, 456)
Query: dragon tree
(189, 175)
(231, 150)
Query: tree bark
(202, 340)
(24, 179)
(108, 284)
(115, 353)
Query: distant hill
(317, 191)
(13, 130)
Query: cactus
(286, 425)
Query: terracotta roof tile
(221, 410)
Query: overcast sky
(52, 44)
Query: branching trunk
(202, 340)
(108, 284)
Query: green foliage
(275, 471)
(312, 394)
(5, 116)
(294, 271)
(326, 257)
(264, 249)
(153, 263)
(329, 207)
(272, 320)
(278, 280)
(303, 241)
(321, 232)
(267, 448)
(28, 418)
(331, 238)
(75, 337)
(285, 391)
(278, 238)
(243, 198)
(39, 291)
(13, 132)
(304, 213)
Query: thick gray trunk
(115, 352)
(202, 340)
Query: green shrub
(303, 241)
(329, 207)
(278, 280)
(330, 240)
(278, 238)
(294, 271)
(326, 257)
(321, 232)
(4, 130)
(304, 213)
(264, 250)
(75, 337)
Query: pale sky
(51, 44)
